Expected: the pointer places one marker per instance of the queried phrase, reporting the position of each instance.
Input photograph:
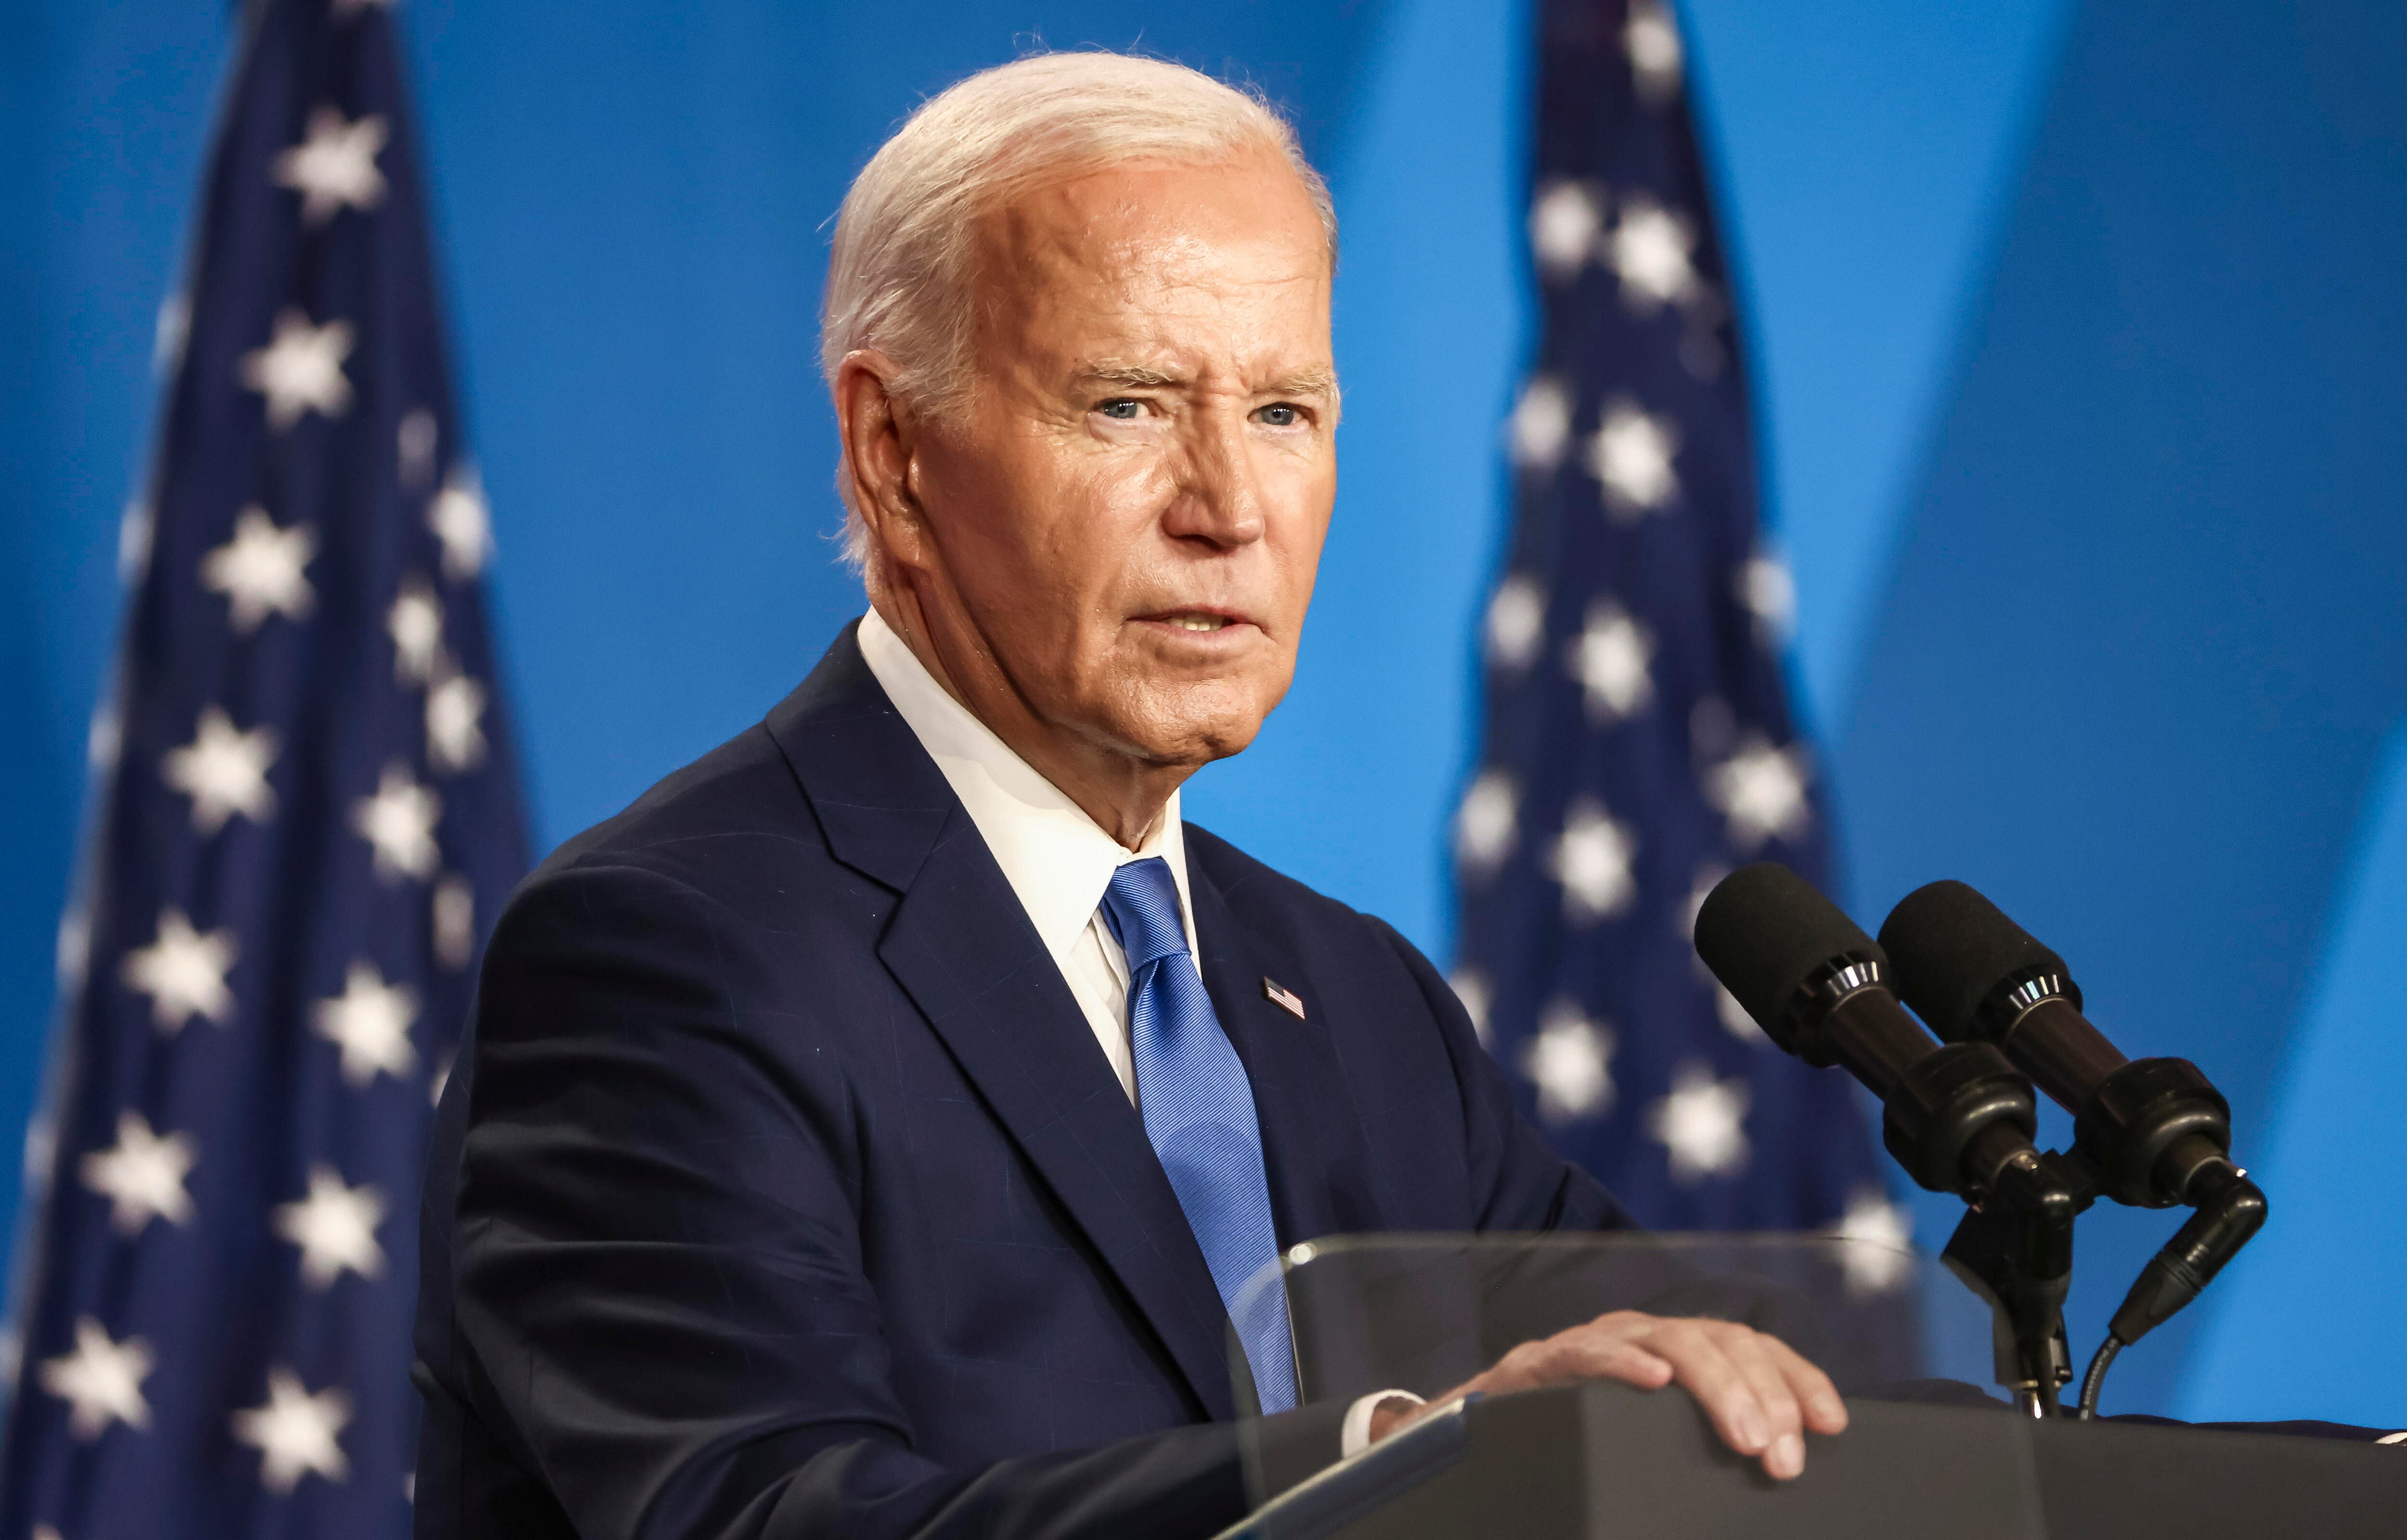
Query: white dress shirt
(1056, 858)
(1058, 861)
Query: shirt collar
(1058, 860)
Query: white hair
(900, 277)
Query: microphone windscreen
(1949, 947)
(1764, 931)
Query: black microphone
(2151, 1125)
(2157, 1130)
(1959, 1118)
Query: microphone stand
(2015, 1249)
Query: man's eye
(1123, 408)
(1280, 416)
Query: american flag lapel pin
(1282, 997)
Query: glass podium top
(1426, 1312)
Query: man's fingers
(1761, 1395)
(1784, 1451)
(1825, 1413)
(1718, 1383)
(1628, 1361)
(1619, 1323)
(1570, 1357)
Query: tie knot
(1141, 906)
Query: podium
(1919, 1459)
(1608, 1460)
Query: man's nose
(1220, 492)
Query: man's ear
(876, 425)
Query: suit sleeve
(659, 1299)
(1519, 1180)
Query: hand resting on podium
(1760, 1393)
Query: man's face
(1127, 515)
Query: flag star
(1541, 423)
(183, 971)
(1770, 594)
(106, 738)
(1592, 862)
(454, 905)
(100, 1380)
(398, 821)
(1516, 622)
(1632, 454)
(1484, 824)
(1702, 1123)
(134, 528)
(415, 623)
(1563, 223)
(336, 1228)
(142, 1175)
(455, 733)
(461, 520)
(223, 771)
(1570, 1061)
(296, 1433)
(1652, 39)
(74, 948)
(334, 166)
(262, 569)
(369, 1021)
(1761, 791)
(1876, 1252)
(169, 330)
(41, 1150)
(1472, 988)
(301, 370)
(1611, 660)
(1648, 250)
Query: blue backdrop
(2076, 325)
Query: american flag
(1637, 745)
(311, 815)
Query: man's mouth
(1193, 620)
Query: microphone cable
(2230, 1209)
(2095, 1380)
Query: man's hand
(1760, 1394)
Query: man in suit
(872, 1130)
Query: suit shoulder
(740, 795)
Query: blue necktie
(1199, 1113)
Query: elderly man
(869, 1132)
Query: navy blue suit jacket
(782, 1189)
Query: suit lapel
(963, 948)
(1314, 1151)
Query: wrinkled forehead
(1225, 261)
